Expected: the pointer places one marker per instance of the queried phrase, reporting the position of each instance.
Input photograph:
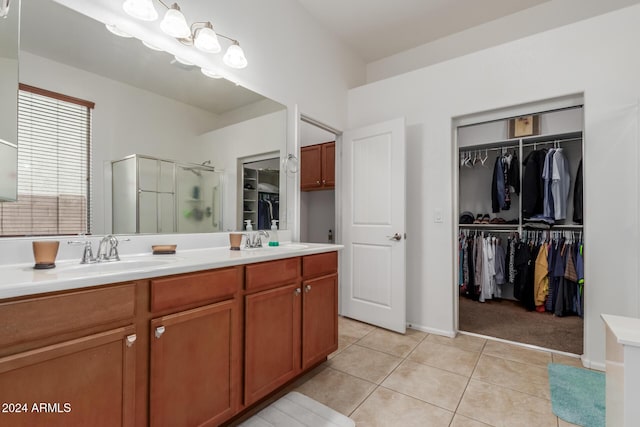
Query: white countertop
(626, 329)
(22, 279)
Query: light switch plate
(437, 216)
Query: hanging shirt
(560, 184)
(541, 281)
(547, 176)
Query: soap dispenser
(248, 225)
(273, 238)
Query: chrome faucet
(87, 251)
(108, 249)
(254, 239)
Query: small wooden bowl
(164, 249)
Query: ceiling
(375, 29)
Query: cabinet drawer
(36, 318)
(179, 291)
(319, 264)
(266, 275)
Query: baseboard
(593, 365)
(450, 334)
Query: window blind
(54, 166)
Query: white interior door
(373, 269)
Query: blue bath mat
(577, 395)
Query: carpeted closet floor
(510, 321)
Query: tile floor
(380, 378)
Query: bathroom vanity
(185, 340)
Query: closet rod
(553, 141)
(480, 150)
(488, 230)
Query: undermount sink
(113, 266)
(290, 246)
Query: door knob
(296, 292)
(395, 237)
(307, 288)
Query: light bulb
(117, 31)
(206, 39)
(234, 57)
(211, 74)
(174, 23)
(140, 9)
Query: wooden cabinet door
(272, 340)
(311, 167)
(89, 381)
(319, 319)
(195, 371)
(329, 165)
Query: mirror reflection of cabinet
(9, 36)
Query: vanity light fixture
(200, 34)
(206, 39)
(211, 74)
(113, 29)
(151, 46)
(174, 23)
(184, 61)
(140, 9)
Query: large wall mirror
(9, 23)
(148, 104)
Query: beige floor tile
(432, 385)
(344, 341)
(445, 357)
(352, 328)
(388, 408)
(567, 360)
(517, 353)
(390, 342)
(365, 363)
(415, 333)
(563, 423)
(337, 390)
(462, 421)
(502, 407)
(531, 379)
(461, 341)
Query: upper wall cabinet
(9, 35)
(318, 167)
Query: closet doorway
(318, 182)
(520, 270)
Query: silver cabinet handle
(159, 331)
(131, 339)
(307, 288)
(395, 237)
(296, 292)
(317, 182)
(324, 181)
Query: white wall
(319, 208)
(594, 57)
(126, 120)
(225, 146)
(545, 16)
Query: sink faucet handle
(87, 252)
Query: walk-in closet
(261, 193)
(520, 228)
